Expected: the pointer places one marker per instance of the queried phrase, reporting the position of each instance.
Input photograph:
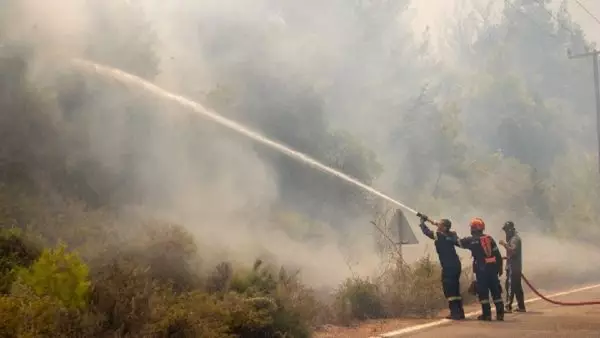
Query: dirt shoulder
(375, 327)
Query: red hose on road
(556, 302)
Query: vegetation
(120, 214)
(132, 294)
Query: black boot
(521, 303)
(461, 310)
(499, 311)
(454, 310)
(486, 312)
(449, 316)
(509, 301)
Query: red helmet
(477, 224)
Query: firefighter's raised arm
(426, 231)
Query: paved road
(542, 320)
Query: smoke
(33, 21)
(219, 185)
(299, 72)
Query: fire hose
(533, 288)
(556, 302)
(540, 295)
(472, 290)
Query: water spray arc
(133, 80)
(198, 108)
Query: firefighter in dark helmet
(445, 245)
(487, 263)
(514, 267)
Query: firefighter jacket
(445, 245)
(485, 252)
(514, 253)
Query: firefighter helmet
(477, 224)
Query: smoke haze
(361, 86)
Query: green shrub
(60, 275)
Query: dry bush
(189, 315)
(166, 253)
(293, 307)
(358, 299)
(153, 289)
(402, 290)
(29, 315)
(413, 290)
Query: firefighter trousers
(451, 287)
(514, 288)
(489, 283)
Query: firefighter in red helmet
(487, 264)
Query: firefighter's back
(445, 246)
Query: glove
(473, 288)
(423, 218)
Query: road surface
(542, 320)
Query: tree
(61, 275)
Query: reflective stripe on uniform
(485, 301)
(489, 260)
(450, 299)
(497, 301)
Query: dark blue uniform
(445, 245)
(487, 264)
